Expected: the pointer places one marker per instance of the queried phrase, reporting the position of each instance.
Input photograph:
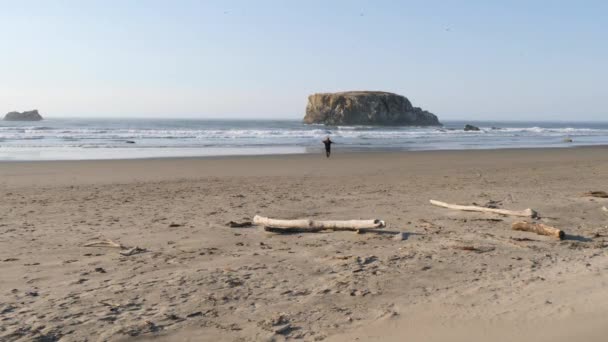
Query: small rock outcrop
(31, 115)
(471, 128)
(366, 108)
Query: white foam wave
(260, 136)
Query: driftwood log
(312, 226)
(538, 228)
(522, 213)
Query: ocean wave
(25, 128)
(277, 135)
(541, 130)
(288, 135)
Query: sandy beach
(456, 275)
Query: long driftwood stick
(523, 213)
(538, 228)
(311, 226)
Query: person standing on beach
(327, 143)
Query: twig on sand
(105, 243)
(538, 228)
(111, 305)
(522, 213)
(522, 239)
(475, 249)
(233, 224)
(600, 194)
(112, 244)
(133, 251)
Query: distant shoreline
(350, 153)
(106, 139)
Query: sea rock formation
(471, 128)
(31, 115)
(366, 108)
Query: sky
(476, 60)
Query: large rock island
(366, 108)
(31, 115)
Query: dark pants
(327, 151)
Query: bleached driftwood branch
(311, 226)
(538, 228)
(522, 213)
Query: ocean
(82, 139)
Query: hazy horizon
(516, 61)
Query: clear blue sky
(459, 59)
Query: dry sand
(200, 280)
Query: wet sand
(457, 275)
